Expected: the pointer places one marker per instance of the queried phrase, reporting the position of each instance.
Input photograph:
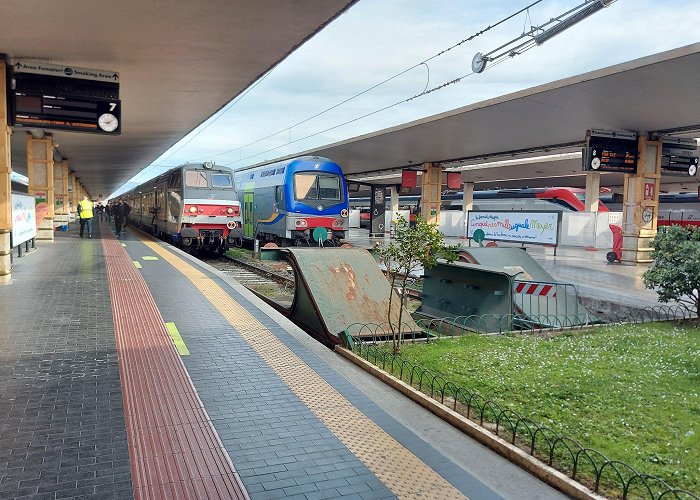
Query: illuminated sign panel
(679, 156)
(611, 151)
(65, 98)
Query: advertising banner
(23, 218)
(521, 227)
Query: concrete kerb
(519, 457)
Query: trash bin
(616, 254)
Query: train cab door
(248, 222)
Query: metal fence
(586, 465)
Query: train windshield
(312, 186)
(221, 180)
(196, 179)
(205, 179)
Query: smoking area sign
(65, 98)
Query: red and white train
(682, 209)
(194, 206)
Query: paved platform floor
(296, 420)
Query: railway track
(273, 283)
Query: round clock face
(595, 163)
(108, 122)
(647, 214)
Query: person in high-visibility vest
(85, 213)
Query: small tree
(412, 248)
(675, 272)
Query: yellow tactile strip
(403, 473)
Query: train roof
(284, 162)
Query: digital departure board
(679, 156)
(65, 98)
(611, 152)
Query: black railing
(586, 465)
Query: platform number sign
(65, 98)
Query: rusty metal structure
(341, 291)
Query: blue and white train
(293, 202)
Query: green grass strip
(177, 339)
(137, 264)
(631, 392)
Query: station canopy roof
(493, 139)
(179, 61)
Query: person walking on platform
(99, 210)
(85, 208)
(127, 209)
(119, 213)
(108, 212)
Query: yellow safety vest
(85, 209)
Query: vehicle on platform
(680, 209)
(299, 201)
(560, 199)
(194, 206)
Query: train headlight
(301, 223)
(229, 210)
(338, 223)
(193, 210)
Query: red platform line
(174, 450)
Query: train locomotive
(194, 206)
(301, 201)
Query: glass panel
(196, 178)
(220, 180)
(305, 187)
(329, 187)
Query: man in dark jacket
(119, 214)
(127, 209)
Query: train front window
(311, 186)
(196, 179)
(221, 180)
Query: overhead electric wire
(424, 62)
(434, 89)
(512, 53)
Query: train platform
(587, 269)
(130, 369)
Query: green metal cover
(340, 287)
(461, 290)
(561, 308)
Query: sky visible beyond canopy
(377, 39)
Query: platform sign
(611, 151)
(679, 156)
(649, 190)
(65, 98)
(378, 208)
